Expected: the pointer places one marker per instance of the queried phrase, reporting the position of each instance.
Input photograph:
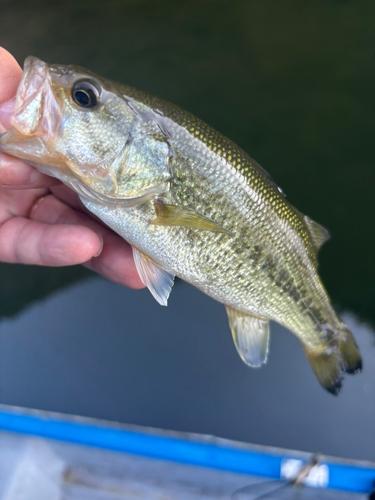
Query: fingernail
(35, 206)
(34, 176)
(101, 245)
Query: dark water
(293, 84)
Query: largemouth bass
(190, 202)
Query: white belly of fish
(179, 256)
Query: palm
(43, 222)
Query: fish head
(73, 125)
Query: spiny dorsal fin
(158, 280)
(171, 215)
(250, 335)
(318, 233)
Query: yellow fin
(250, 335)
(171, 215)
(330, 364)
(328, 368)
(318, 233)
(350, 355)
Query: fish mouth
(33, 77)
(36, 111)
(6, 112)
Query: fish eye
(86, 94)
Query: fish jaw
(31, 120)
(34, 126)
(36, 110)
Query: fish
(190, 202)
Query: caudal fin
(329, 365)
(350, 354)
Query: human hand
(43, 222)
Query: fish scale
(191, 203)
(208, 247)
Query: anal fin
(250, 335)
(172, 215)
(158, 280)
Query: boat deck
(179, 466)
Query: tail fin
(351, 358)
(327, 367)
(330, 364)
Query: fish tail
(330, 364)
(350, 355)
(328, 368)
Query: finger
(10, 75)
(15, 173)
(17, 203)
(116, 262)
(32, 242)
(116, 259)
(68, 196)
(6, 112)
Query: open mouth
(34, 110)
(31, 119)
(29, 99)
(13, 111)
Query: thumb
(10, 75)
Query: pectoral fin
(250, 335)
(158, 280)
(171, 215)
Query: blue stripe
(343, 477)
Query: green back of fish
(255, 176)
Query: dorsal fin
(318, 233)
(158, 280)
(250, 336)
